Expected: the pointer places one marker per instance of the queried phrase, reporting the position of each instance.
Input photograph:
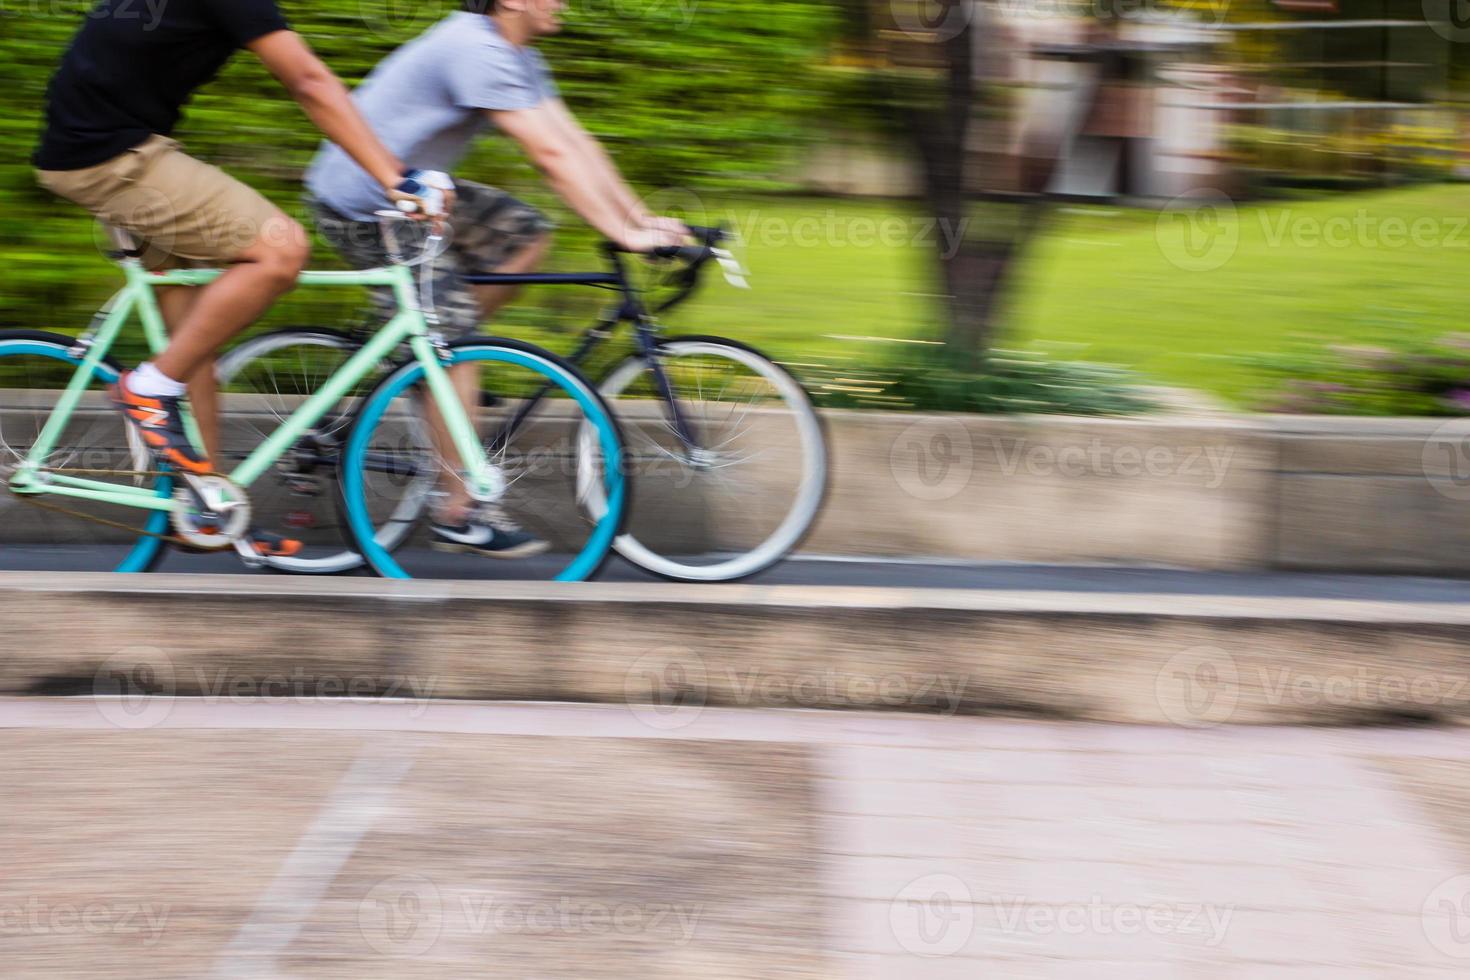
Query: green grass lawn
(845, 281)
(849, 284)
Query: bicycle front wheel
(399, 474)
(84, 534)
(732, 483)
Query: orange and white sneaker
(160, 423)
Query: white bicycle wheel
(263, 381)
(743, 495)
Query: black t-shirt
(131, 68)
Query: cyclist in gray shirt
(474, 72)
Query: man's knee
(281, 251)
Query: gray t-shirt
(427, 101)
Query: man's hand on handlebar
(646, 239)
(424, 195)
(663, 223)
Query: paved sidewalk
(234, 838)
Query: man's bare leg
(175, 303)
(259, 276)
(466, 379)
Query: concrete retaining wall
(669, 650)
(1219, 492)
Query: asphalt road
(854, 572)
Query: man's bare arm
(600, 163)
(576, 177)
(326, 101)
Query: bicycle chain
(34, 501)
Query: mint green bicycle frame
(411, 324)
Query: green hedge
(700, 95)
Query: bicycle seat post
(126, 248)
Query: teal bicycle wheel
(35, 367)
(400, 479)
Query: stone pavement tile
(1003, 879)
(158, 840)
(878, 967)
(569, 858)
(1401, 891)
(912, 837)
(1438, 791)
(1242, 886)
(1299, 937)
(886, 798)
(1018, 768)
(927, 922)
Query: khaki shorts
(186, 211)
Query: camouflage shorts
(489, 226)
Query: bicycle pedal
(249, 557)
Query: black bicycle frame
(630, 309)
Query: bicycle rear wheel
(263, 381)
(35, 367)
(393, 475)
(745, 492)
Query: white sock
(148, 381)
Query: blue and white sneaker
(489, 533)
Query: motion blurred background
(1035, 205)
(1076, 207)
